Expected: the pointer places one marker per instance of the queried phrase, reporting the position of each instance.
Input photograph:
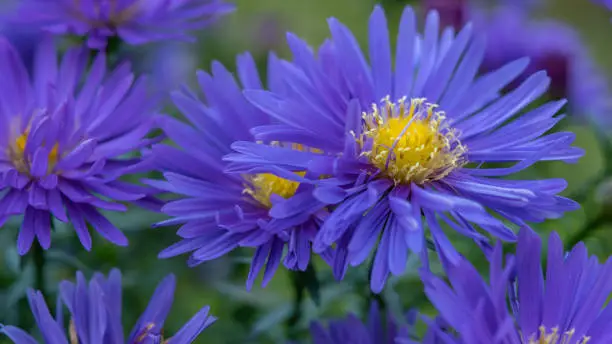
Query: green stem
(39, 259)
(299, 291)
(602, 218)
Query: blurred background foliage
(269, 315)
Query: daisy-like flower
(133, 21)
(399, 145)
(567, 304)
(554, 47)
(220, 212)
(95, 315)
(377, 330)
(65, 135)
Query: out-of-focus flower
(399, 145)
(452, 12)
(133, 21)
(170, 65)
(269, 31)
(220, 212)
(24, 39)
(565, 305)
(551, 46)
(375, 331)
(607, 3)
(95, 315)
(65, 135)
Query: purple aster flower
(220, 212)
(552, 46)
(420, 141)
(375, 331)
(133, 21)
(95, 315)
(65, 136)
(565, 305)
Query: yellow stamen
(146, 331)
(410, 143)
(74, 337)
(20, 160)
(554, 337)
(262, 186)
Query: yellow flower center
(410, 143)
(554, 337)
(264, 185)
(17, 154)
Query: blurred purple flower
(95, 312)
(551, 46)
(567, 304)
(133, 21)
(64, 142)
(452, 12)
(24, 39)
(375, 331)
(171, 65)
(269, 32)
(607, 3)
(409, 149)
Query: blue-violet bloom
(552, 46)
(65, 136)
(520, 303)
(95, 315)
(392, 147)
(379, 329)
(133, 21)
(219, 212)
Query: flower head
(64, 143)
(133, 21)
(567, 304)
(375, 331)
(100, 299)
(551, 46)
(220, 212)
(420, 141)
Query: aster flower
(219, 212)
(417, 153)
(95, 315)
(375, 331)
(133, 21)
(565, 305)
(64, 143)
(552, 46)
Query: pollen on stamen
(21, 162)
(263, 185)
(555, 337)
(72, 333)
(410, 142)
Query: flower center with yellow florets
(19, 159)
(410, 143)
(555, 337)
(262, 186)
